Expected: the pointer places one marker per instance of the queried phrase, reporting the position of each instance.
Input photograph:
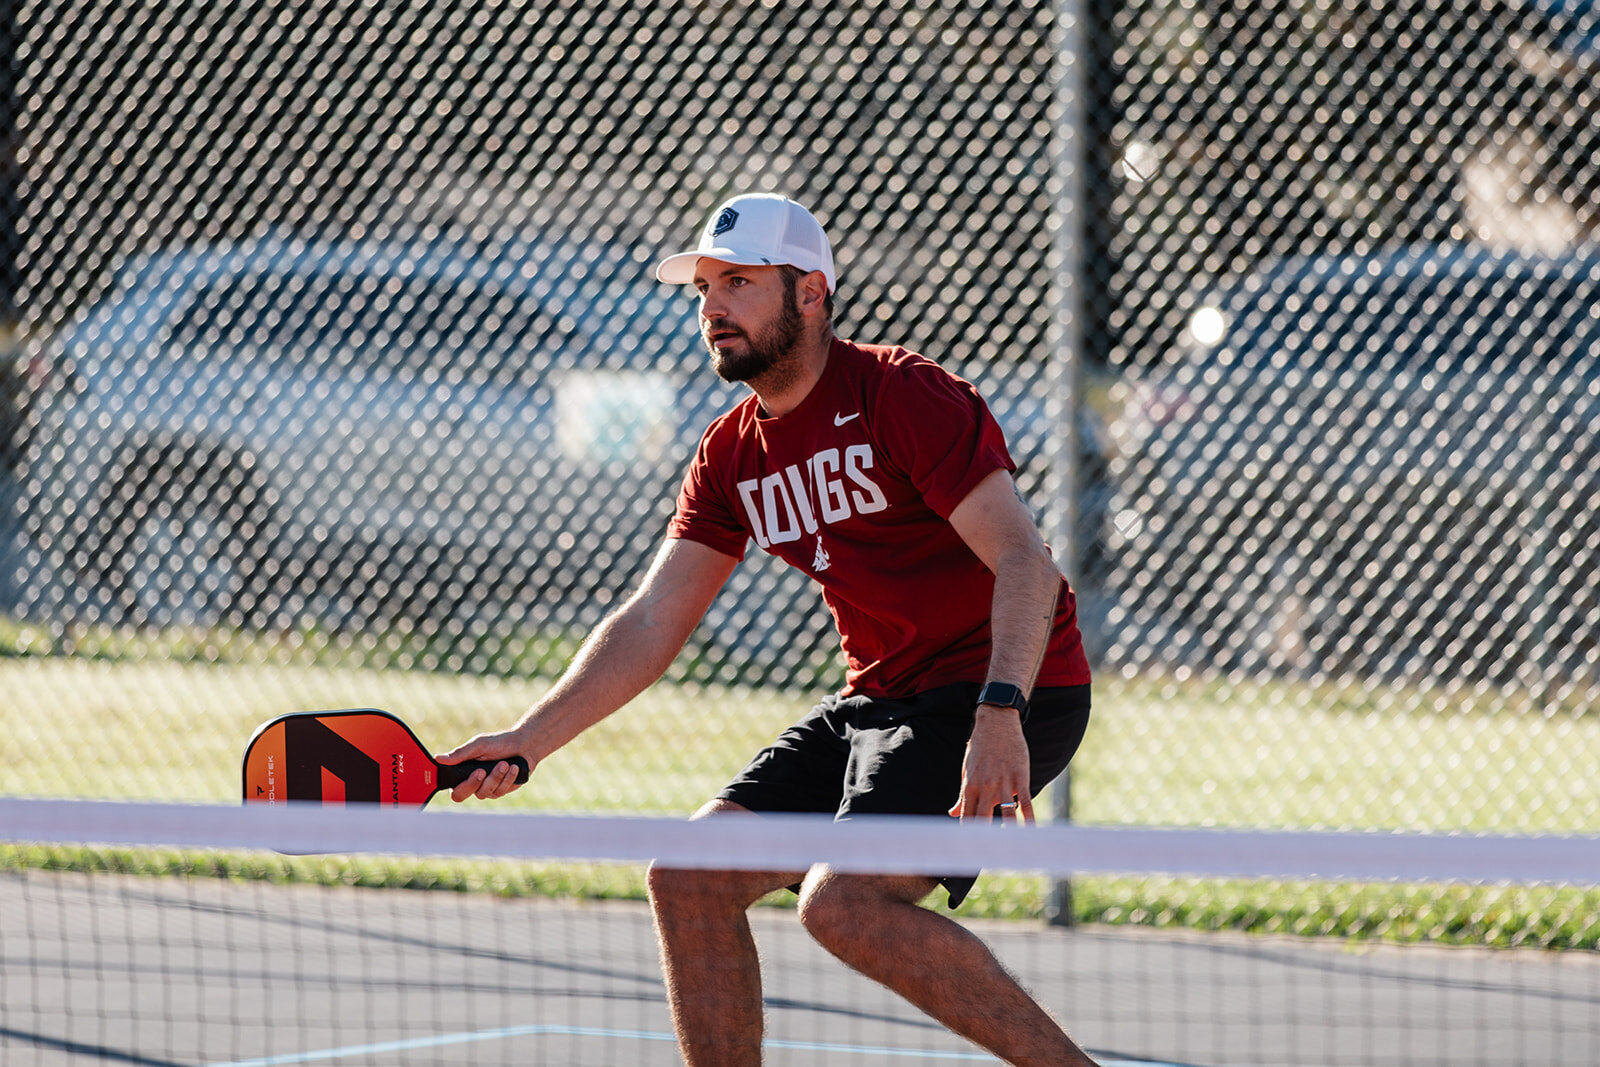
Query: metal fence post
(1067, 158)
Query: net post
(1067, 163)
(1058, 902)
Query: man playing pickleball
(888, 481)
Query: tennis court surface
(99, 968)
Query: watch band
(1004, 695)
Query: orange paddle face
(363, 756)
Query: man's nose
(711, 308)
(712, 318)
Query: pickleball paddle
(358, 756)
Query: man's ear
(811, 292)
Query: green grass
(1498, 916)
(142, 722)
(174, 731)
(1274, 753)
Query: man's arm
(628, 651)
(996, 524)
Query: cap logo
(724, 221)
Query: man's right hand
(489, 785)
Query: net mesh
(234, 955)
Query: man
(887, 480)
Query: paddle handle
(453, 774)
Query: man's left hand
(994, 773)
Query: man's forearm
(622, 657)
(1027, 586)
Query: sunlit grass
(1165, 751)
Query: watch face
(1009, 696)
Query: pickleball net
(194, 935)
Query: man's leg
(708, 956)
(867, 922)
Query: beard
(767, 348)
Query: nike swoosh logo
(840, 420)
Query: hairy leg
(867, 922)
(708, 956)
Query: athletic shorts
(858, 755)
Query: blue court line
(441, 1040)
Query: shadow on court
(98, 969)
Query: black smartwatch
(1004, 695)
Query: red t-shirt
(855, 487)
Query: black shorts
(869, 756)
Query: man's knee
(676, 887)
(680, 890)
(827, 909)
(839, 910)
(671, 881)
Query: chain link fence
(1353, 348)
(338, 375)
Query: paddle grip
(453, 774)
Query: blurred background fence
(337, 377)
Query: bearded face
(741, 352)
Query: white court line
(441, 1040)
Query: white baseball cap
(756, 229)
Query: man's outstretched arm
(627, 652)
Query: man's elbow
(1030, 560)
